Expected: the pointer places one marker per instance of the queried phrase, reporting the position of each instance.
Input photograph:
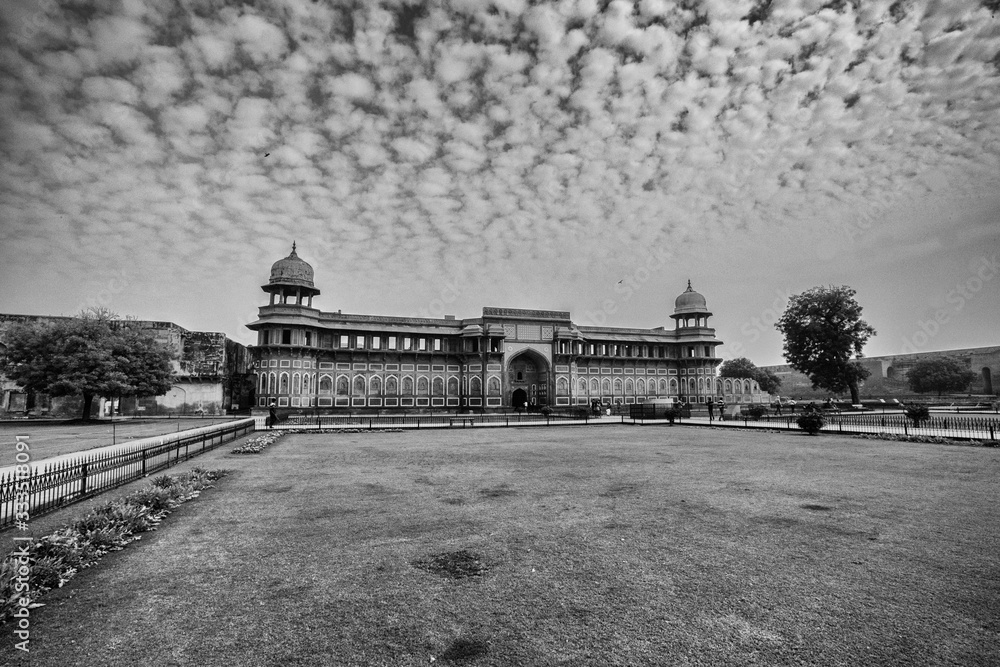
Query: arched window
(407, 386)
(629, 386)
(437, 386)
(453, 386)
(493, 385)
(283, 384)
(729, 386)
(673, 386)
(475, 386)
(562, 387)
(359, 385)
(423, 386)
(306, 383)
(375, 386)
(595, 387)
(605, 386)
(640, 386)
(391, 386)
(272, 384)
(746, 386)
(701, 385)
(325, 384)
(618, 386)
(343, 387)
(262, 384)
(296, 383)
(691, 386)
(581, 386)
(737, 387)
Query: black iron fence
(416, 421)
(41, 488)
(946, 426)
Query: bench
(462, 420)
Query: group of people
(721, 404)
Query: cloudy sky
(436, 157)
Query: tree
(93, 354)
(824, 337)
(940, 375)
(742, 367)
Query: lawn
(621, 545)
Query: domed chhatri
(292, 270)
(291, 282)
(690, 301)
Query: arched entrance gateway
(528, 379)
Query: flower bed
(56, 557)
(931, 439)
(258, 443)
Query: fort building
(308, 359)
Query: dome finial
(293, 252)
(689, 289)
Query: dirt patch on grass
(500, 491)
(627, 488)
(816, 508)
(465, 648)
(453, 564)
(453, 501)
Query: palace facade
(308, 359)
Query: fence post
(83, 478)
(143, 461)
(905, 431)
(991, 433)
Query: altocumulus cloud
(393, 136)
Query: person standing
(272, 416)
(711, 409)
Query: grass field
(596, 546)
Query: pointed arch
(475, 386)
(453, 385)
(423, 386)
(407, 385)
(283, 383)
(343, 385)
(437, 386)
(375, 386)
(325, 384)
(391, 386)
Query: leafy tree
(742, 367)
(93, 354)
(824, 335)
(768, 381)
(940, 375)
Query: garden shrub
(918, 414)
(811, 422)
(164, 481)
(755, 411)
(671, 414)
